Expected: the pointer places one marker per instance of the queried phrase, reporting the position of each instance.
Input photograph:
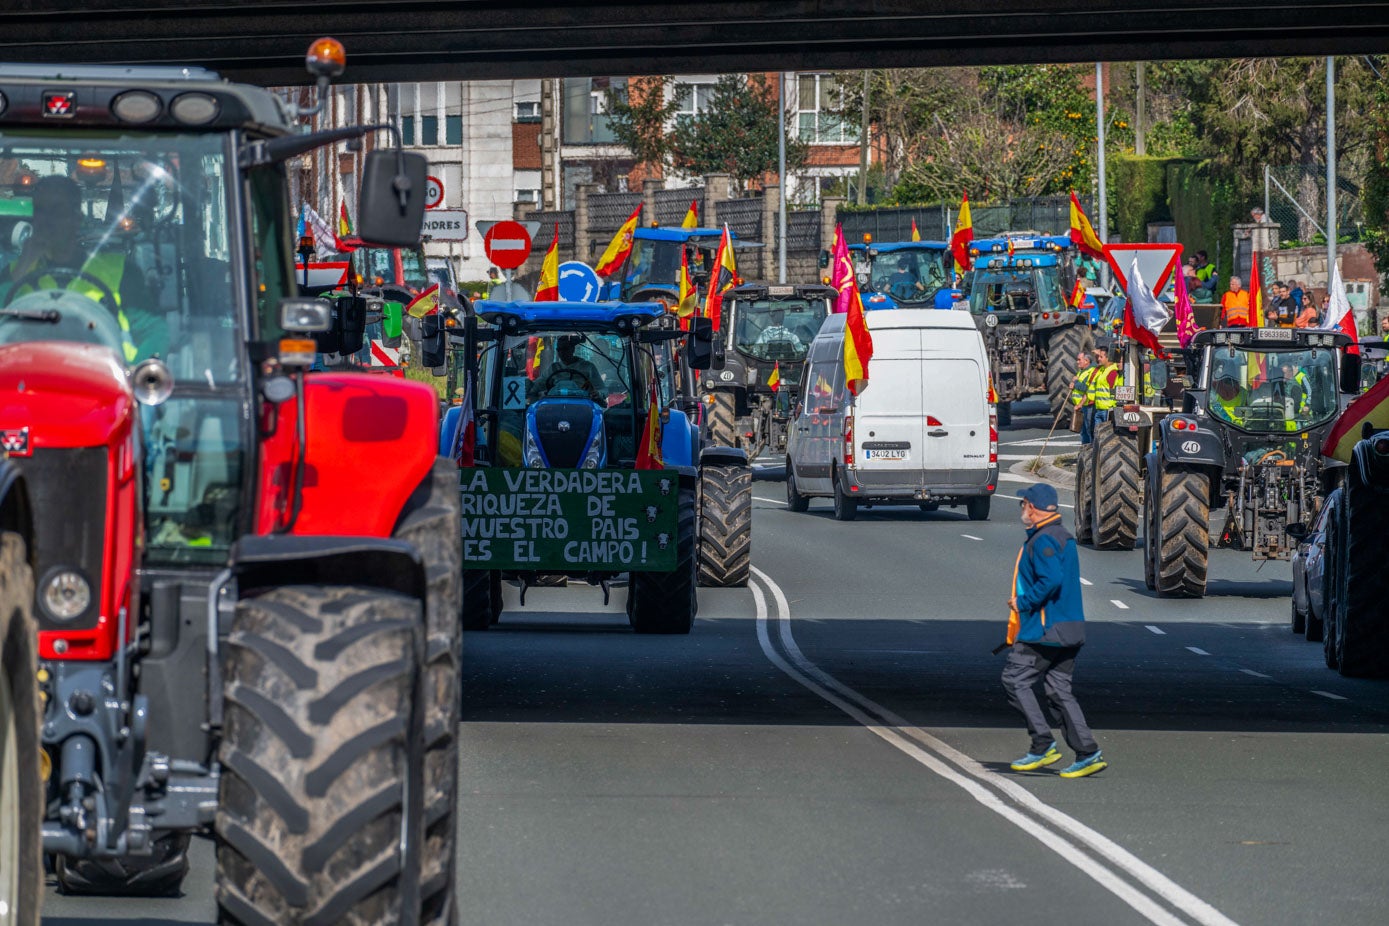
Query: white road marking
(1156, 629)
(1017, 456)
(971, 537)
(1035, 441)
(1086, 582)
(1014, 477)
(1255, 674)
(1059, 832)
(1198, 651)
(1118, 604)
(772, 501)
(1327, 694)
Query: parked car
(1309, 571)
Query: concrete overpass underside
(264, 40)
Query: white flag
(1338, 311)
(1148, 311)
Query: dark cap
(1041, 495)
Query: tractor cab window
(1272, 391)
(122, 240)
(653, 263)
(910, 275)
(1016, 290)
(778, 330)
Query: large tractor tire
(322, 784)
(431, 525)
(725, 526)
(159, 874)
(1362, 609)
(1062, 350)
(1181, 532)
(1115, 494)
(1084, 526)
(666, 602)
(723, 419)
(21, 789)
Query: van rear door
(888, 431)
(955, 402)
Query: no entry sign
(507, 244)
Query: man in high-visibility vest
(1103, 383)
(55, 246)
(1080, 391)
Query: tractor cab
(907, 274)
(652, 268)
(1019, 278)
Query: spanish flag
(534, 348)
(691, 219)
(548, 290)
(858, 343)
(344, 223)
(963, 234)
(1256, 294)
(619, 247)
(724, 277)
(1083, 233)
(649, 452)
(686, 306)
(916, 235)
(426, 303)
(1010, 249)
(774, 381)
(1372, 407)
(1078, 292)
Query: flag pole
(781, 177)
(1103, 196)
(1330, 170)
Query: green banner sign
(570, 520)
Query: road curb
(1049, 472)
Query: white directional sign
(446, 224)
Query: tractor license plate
(895, 453)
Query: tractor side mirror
(1297, 531)
(824, 259)
(699, 344)
(390, 211)
(352, 323)
(1350, 373)
(432, 347)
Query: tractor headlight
(594, 458)
(65, 594)
(530, 451)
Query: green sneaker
(1087, 766)
(1034, 760)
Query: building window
(429, 130)
(817, 117)
(453, 130)
(528, 196)
(528, 111)
(691, 99)
(585, 108)
(407, 130)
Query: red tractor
(234, 639)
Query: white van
(922, 432)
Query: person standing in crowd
(1080, 391)
(1282, 311)
(1046, 630)
(1299, 296)
(1308, 316)
(1234, 306)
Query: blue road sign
(578, 282)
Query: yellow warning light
(867, 238)
(326, 58)
(91, 162)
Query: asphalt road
(830, 746)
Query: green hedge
(1137, 194)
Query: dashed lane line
(1156, 629)
(971, 537)
(1118, 604)
(1255, 674)
(1086, 582)
(1198, 651)
(1328, 694)
(770, 501)
(1148, 891)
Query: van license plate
(895, 453)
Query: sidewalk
(1060, 476)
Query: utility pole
(1330, 170)
(781, 177)
(1140, 129)
(1099, 124)
(863, 145)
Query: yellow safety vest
(1101, 394)
(1080, 392)
(109, 269)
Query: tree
(638, 116)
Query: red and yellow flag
(1083, 233)
(619, 247)
(534, 348)
(916, 235)
(774, 381)
(858, 343)
(724, 277)
(426, 303)
(1256, 294)
(548, 290)
(962, 236)
(1078, 293)
(344, 223)
(686, 306)
(691, 219)
(1372, 407)
(649, 452)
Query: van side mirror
(699, 343)
(432, 347)
(390, 211)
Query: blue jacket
(1047, 587)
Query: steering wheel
(573, 376)
(64, 276)
(904, 290)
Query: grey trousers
(1054, 665)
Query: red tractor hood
(67, 394)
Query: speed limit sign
(433, 193)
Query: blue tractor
(570, 386)
(1019, 294)
(651, 272)
(904, 274)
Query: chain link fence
(1296, 201)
